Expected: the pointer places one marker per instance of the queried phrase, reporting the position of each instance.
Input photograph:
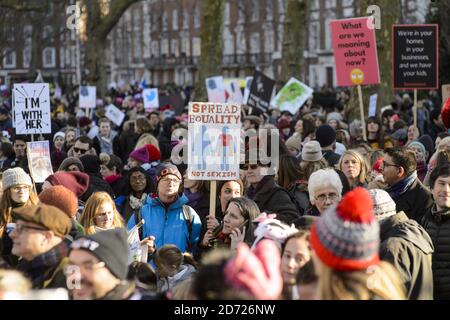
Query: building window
(255, 10)
(61, 57)
(175, 19)
(155, 48)
(254, 43)
(269, 41)
(9, 60)
(197, 17)
(228, 43)
(137, 46)
(185, 19)
(314, 36)
(226, 14)
(174, 48)
(196, 47)
(164, 21)
(186, 46)
(165, 47)
(330, 4)
(49, 58)
(48, 32)
(281, 6)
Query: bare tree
(210, 62)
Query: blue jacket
(168, 226)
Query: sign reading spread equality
(260, 93)
(32, 108)
(38, 154)
(355, 52)
(415, 56)
(214, 135)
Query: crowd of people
(338, 218)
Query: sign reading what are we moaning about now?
(32, 108)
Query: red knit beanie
(153, 153)
(445, 113)
(75, 181)
(346, 237)
(62, 198)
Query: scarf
(438, 216)
(112, 178)
(136, 203)
(193, 197)
(402, 186)
(251, 192)
(41, 266)
(421, 170)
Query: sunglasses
(248, 166)
(78, 150)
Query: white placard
(32, 108)
(151, 98)
(248, 85)
(216, 89)
(233, 92)
(292, 96)
(214, 135)
(39, 161)
(373, 105)
(115, 115)
(88, 98)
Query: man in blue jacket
(168, 220)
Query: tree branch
(13, 5)
(113, 17)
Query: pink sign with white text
(355, 51)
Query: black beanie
(91, 164)
(109, 246)
(325, 135)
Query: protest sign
(248, 84)
(115, 115)
(233, 93)
(39, 162)
(260, 93)
(355, 52)
(214, 135)
(134, 242)
(415, 56)
(216, 89)
(88, 99)
(445, 92)
(151, 99)
(32, 108)
(373, 105)
(292, 96)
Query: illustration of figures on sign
(226, 147)
(201, 142)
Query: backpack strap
(189, 218)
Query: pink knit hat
(140, 155)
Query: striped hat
(346, 237)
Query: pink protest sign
(355, 51)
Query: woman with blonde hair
(17, 192)
(355, 168)
(100, 214)
(345, 241)
(146, 138)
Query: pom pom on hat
(445, 113)
(346, 237)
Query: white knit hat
(15, 176)
(59, 134)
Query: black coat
(415, 202)
(437, 224)
(271, 198)
(331, 157)
(408, 247)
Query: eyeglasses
(137, 178)
(168, 180)
(86, 266)
(20, 228)
(19, 188)
(248, 166)
(385, 164)
(324, 197)
(78, 150)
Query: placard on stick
(261, 91)
(32, 108)
(39, 162)
(355, 52)
(214, 141)
(415, 56)
(88, 97)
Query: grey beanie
(71, 161)
(312, 152)
(15, 176)
(383, 205)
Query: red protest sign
(355, 51)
